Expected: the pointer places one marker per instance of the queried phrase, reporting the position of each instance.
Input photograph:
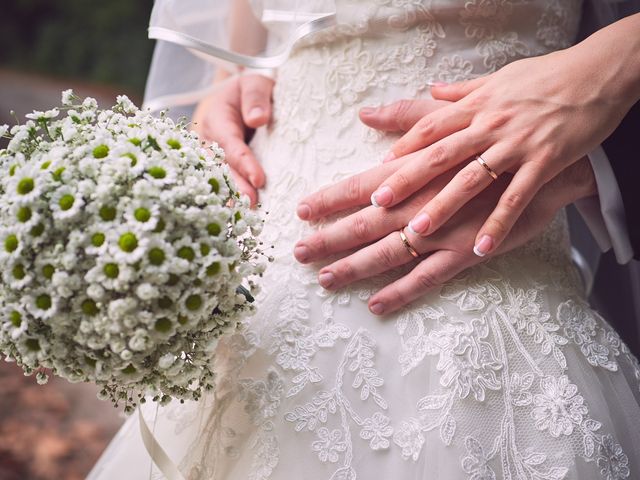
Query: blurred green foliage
(102, 41)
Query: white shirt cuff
(604, 213)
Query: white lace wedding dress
(503, 373)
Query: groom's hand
(450, 250)
(229, 116)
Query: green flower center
(32, 344)
(107, 213)
(57, 174)
(163, 325)
(128, 242)
(214, 229)
(204, 249)
(25, 186)
(215, 185)
(194, 302)
(11, 243)
(133, 158)
(175, 144)
(156, 256)
(15, 318)
(213, 269)
(97, 239)
(43, 301)
(173, 279)
(129, 370)
(160, 226)
(24, 214)
(187, 253)
(48, 271)
(142, 214)
(165, 302)
(157, 172)
(89, 307)
(111, 270)
(37, 230)
(18, 272)
(100, 151)
(66, 201)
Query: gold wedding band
(407, 245)
(481, 161)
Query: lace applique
(472, 355)
(334, 406)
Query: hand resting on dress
(228, 116)
(449, 249)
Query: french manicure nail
(255, 113)
(303, 211)
(326, 279)
(484, 246)
(419, 224)
(377, 308)
(382, 197)
(436, 84)
(301, 253)
(390, 156)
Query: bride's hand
(449, 249)
(532, 118)
(228, 116)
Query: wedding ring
(481, 161)
(407, 245)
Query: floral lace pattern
(499, 374)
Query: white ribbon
(156, 452)
(273, 61)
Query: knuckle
(498, 226)
(398, 112)
(425, 127)
(401, 182)
(318, 244)
(469, 180)
(345, 271)
(353, 189)
(513, 201)
(360, 228)
(385, 256)
(497, 120)
(427, 280)
(319, 203)
(438, 157)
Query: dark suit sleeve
(623, 150)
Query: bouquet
(126, 251)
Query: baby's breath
(116, 235)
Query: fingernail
(377, 308)
(419, 224)
(255, 113)
(390, 156)
(301, 253)
(367, 111)
(483, 246)
(326, 279)
(254, 181)
(436, 84)
(303, 211)
(382, 197)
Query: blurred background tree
(104, 42)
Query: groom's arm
(623, 150)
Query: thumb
(455, 91)
(399, 116)
(255, 99)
